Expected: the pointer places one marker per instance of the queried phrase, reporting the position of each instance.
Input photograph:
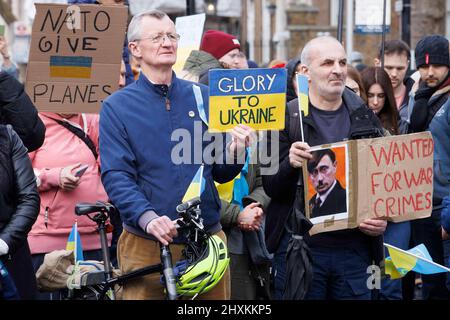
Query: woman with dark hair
(19, 208)
(354, 82)
(380, 98)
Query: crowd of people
(52, 161)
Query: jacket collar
(148, 85)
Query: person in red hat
(225, 48)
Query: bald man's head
(317, 44)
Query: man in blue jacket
(139, 126)
(431, 112)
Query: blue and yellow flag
(417, 259)
(196, 187)
(70, 67)
(74, 243)
(303, 91)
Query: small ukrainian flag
(74, 243)
(303, 91)
(417, 259)
(196, 187)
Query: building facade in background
(267, 29)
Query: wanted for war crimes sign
(254, 97)
(389, 178)
(75, 56)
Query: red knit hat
(218, 43)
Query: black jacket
(334, 203)
(281, 187)
(17, 110)
(19, 197)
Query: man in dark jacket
(334, 114)
(431, 112)
(17, 110)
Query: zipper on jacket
(47, 209)
(46, 217)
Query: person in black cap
(431, 112)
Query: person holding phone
(67, 170)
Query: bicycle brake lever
(180, 224)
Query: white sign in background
(369, 16)
(190, 29)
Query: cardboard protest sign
(255, 97)
(390, 177)
(190, 29)
(75, 56)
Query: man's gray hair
(305, 56)
(134, 28)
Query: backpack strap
(294, 121)
(80, 134)
(294, 130)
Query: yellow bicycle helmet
(204, 269)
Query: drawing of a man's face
(322, 171)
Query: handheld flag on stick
(74, 243)
(417, 259)
(303, 100)
(196, 187)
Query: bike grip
(188, 204)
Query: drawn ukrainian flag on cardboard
(70, 67)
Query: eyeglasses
(161, 37)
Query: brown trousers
(135, 252)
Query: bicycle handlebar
(188, 205)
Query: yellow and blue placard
(254, 97)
